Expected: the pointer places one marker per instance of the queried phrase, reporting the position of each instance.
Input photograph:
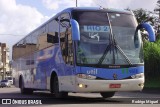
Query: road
(121, 99)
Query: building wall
(4, 61)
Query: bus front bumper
(84, 85)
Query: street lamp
(76, 3)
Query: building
(4, 61)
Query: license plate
(115, 86)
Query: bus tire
(107, 94)
(23, 89)
(56, 89)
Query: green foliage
(144, 16)
(152, 83)
(152, 60)
(151, 50)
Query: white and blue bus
(82, 50)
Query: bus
(82, 50)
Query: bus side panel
(36, 69)
(46, 60)
(21, 67)
(15, 73)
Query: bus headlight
(85, 76)
(141, 75)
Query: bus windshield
(108, 39)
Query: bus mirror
(75, 30)
(52, 38)
(149, 29)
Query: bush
(152, 60)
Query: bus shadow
(49, 98)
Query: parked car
(5, 83)
(10, 79)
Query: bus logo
(92, 72)
(115, 76)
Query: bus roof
(96, 9)
(78, 9)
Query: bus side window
(42, 38)
(70, 48)
(52, 32)
(19, 50)
(34, 41)
(66, 39)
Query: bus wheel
(107, 94)
(56, 89)
(23, 89)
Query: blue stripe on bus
(108, 73)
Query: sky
(19, 17)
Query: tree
(158, 4)
(146, 16)
(157, 11)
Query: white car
(10, 79)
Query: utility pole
(76, 3)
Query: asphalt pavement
(121, 99)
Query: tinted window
(53, 29)
(66, 38)
(4, 81)
(94, 36)
(91, 18)
(34, 41)
(42, 38)
(19, 49)
(9, 78)
(122, 20)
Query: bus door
(67, 50)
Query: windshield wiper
(109, 47)
(112, 45)
(121, 51)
